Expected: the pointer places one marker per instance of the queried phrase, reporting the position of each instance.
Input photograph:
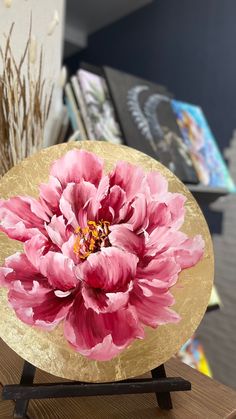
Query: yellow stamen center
(91, 238)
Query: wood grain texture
(207, 400)
(6, 407)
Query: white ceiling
(84, 17)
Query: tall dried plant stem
(24, 105)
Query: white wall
(42, 15)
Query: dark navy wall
(189, 45)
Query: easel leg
(27, 378)
(163, 399)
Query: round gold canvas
(49, 350)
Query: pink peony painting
(101, 253)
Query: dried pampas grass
(24, 105)
(54, 22)
(8, 3)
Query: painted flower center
(90, 239)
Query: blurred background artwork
(100, 107)
(205, 154)
(192, 354)
(106, 104)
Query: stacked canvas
(192, 354)
(91, 109)
(110, 105)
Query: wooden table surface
(208, 399)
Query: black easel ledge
(26, 390)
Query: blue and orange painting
(205, 154)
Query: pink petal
(59, 271)
(158, 185)
(50, 194)
(38, 305)
(105, 302)
(152, 305)
(165, 270)
(169, 213)
(110, 270)
(35, 248)
(19, 268)
(96, 202)
(62, 294)
(100, 336)
(163, 239)
(158, 190)
(112, 205)
(4, 272)
(190, 252)
(103, 188)
(68, 249)
(74, 202)
(163, 242)
(128, 177)
(158, 215)
(22, 217)
(30, 294)
(175, 203)
(126, 239)
(57, 230)
(37, 211)
(138, 221)
(77, 165)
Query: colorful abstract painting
(192, 354)
(206, 156)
